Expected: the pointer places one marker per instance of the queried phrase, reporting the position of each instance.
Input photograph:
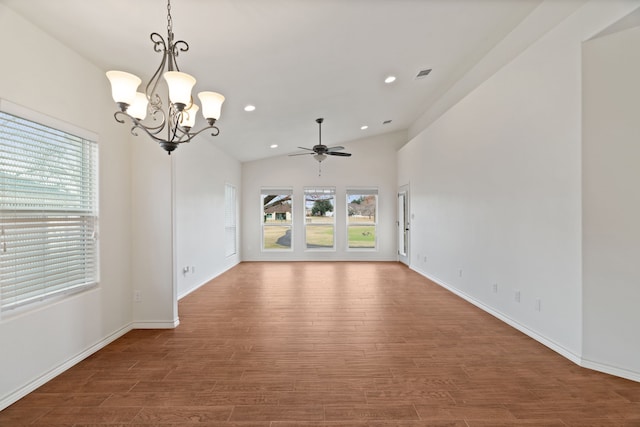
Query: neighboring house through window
(277, 219)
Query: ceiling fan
(320, 151)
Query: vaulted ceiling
(295, 60)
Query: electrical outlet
(137, 296)
(517, 296)
(193, 269)
(425, 258)
(538, 305)
(460, 272)
(494, 287)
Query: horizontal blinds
(278, 191)
(48, 212)
(362, 191)
(320, 191)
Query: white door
(403, 224)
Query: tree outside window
(362, 218)
(319, 218)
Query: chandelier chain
(169, 19)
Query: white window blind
(362, 191)
(230, 227)
(48, 212)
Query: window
(319, 217)
(230, 228)
(277, 216)
(362, 218)
(48, 211)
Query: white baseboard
(156, 324)
(611, 370)
(575, 358)
(48, 376)
(195, 288)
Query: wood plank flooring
(328, 344)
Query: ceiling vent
(423, 73)
(386, 122)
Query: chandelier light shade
(123, 86)
(180, 85)
(211, 104)
(188, 118)
(138, 108)
(170, 125)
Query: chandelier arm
(152, 86)
(152, 135)
(159, 45)
(137, 124)
(120, 113)
(155, 129)
(175, 131)
(179, 46)
(168, 146)
(214, 129)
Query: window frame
(361, 192)
(70, 219)
(320, 191)
(280, 191)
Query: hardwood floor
(328, 344)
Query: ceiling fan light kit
(180, 116)
(321, 151)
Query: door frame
(403, 229)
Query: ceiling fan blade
(320, 151)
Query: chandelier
(179, 117)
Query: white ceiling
(296, 60)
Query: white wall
(153, 274)
(38, 343)
(611, 203)
(371, 165)
(201, 172)
(496, 187)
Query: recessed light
(365, 127)
(390, 79)
(273, 146)
(250, 108)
